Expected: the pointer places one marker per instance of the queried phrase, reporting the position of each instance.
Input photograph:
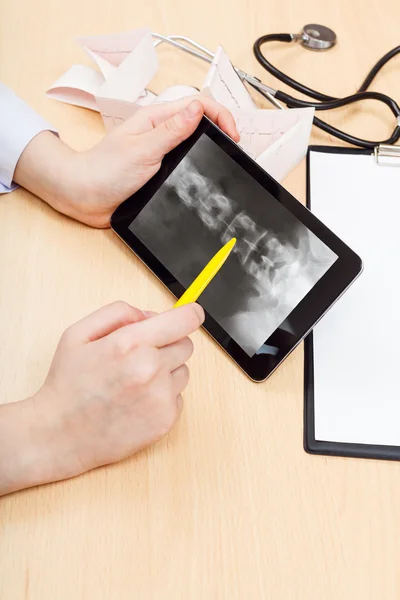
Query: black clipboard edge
(311, 445)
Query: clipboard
(327, 433)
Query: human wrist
(61, 177)
(45, 168)
(25, 455)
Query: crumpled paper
(127, 62)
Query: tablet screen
(207, 200)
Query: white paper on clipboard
(356, 345)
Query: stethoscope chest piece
(317, 37)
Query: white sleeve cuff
(4, 189)
(19, 124)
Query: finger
(171, 132)
(180, 379)
(104, 321)
(215, 111)
(150, 117)
(177, 354)
(162, 330)
(221, 116)
(141, 365)
(149, 313)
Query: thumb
(166, 136)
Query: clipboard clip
(386, 155)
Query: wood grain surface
(229, 506)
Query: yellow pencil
(208, 273)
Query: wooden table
(229, 506)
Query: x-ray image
(207, 200)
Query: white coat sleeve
(19, 124)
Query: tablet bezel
(306, 314)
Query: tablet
(285, 272)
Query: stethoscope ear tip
(317, 37)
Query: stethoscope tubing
(325, 102)
(320, 101)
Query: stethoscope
(313, 37)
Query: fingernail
(200, 312)
(236, 131)
(148, 313)
(194, 109)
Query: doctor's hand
(88, 186)
(113, 388)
